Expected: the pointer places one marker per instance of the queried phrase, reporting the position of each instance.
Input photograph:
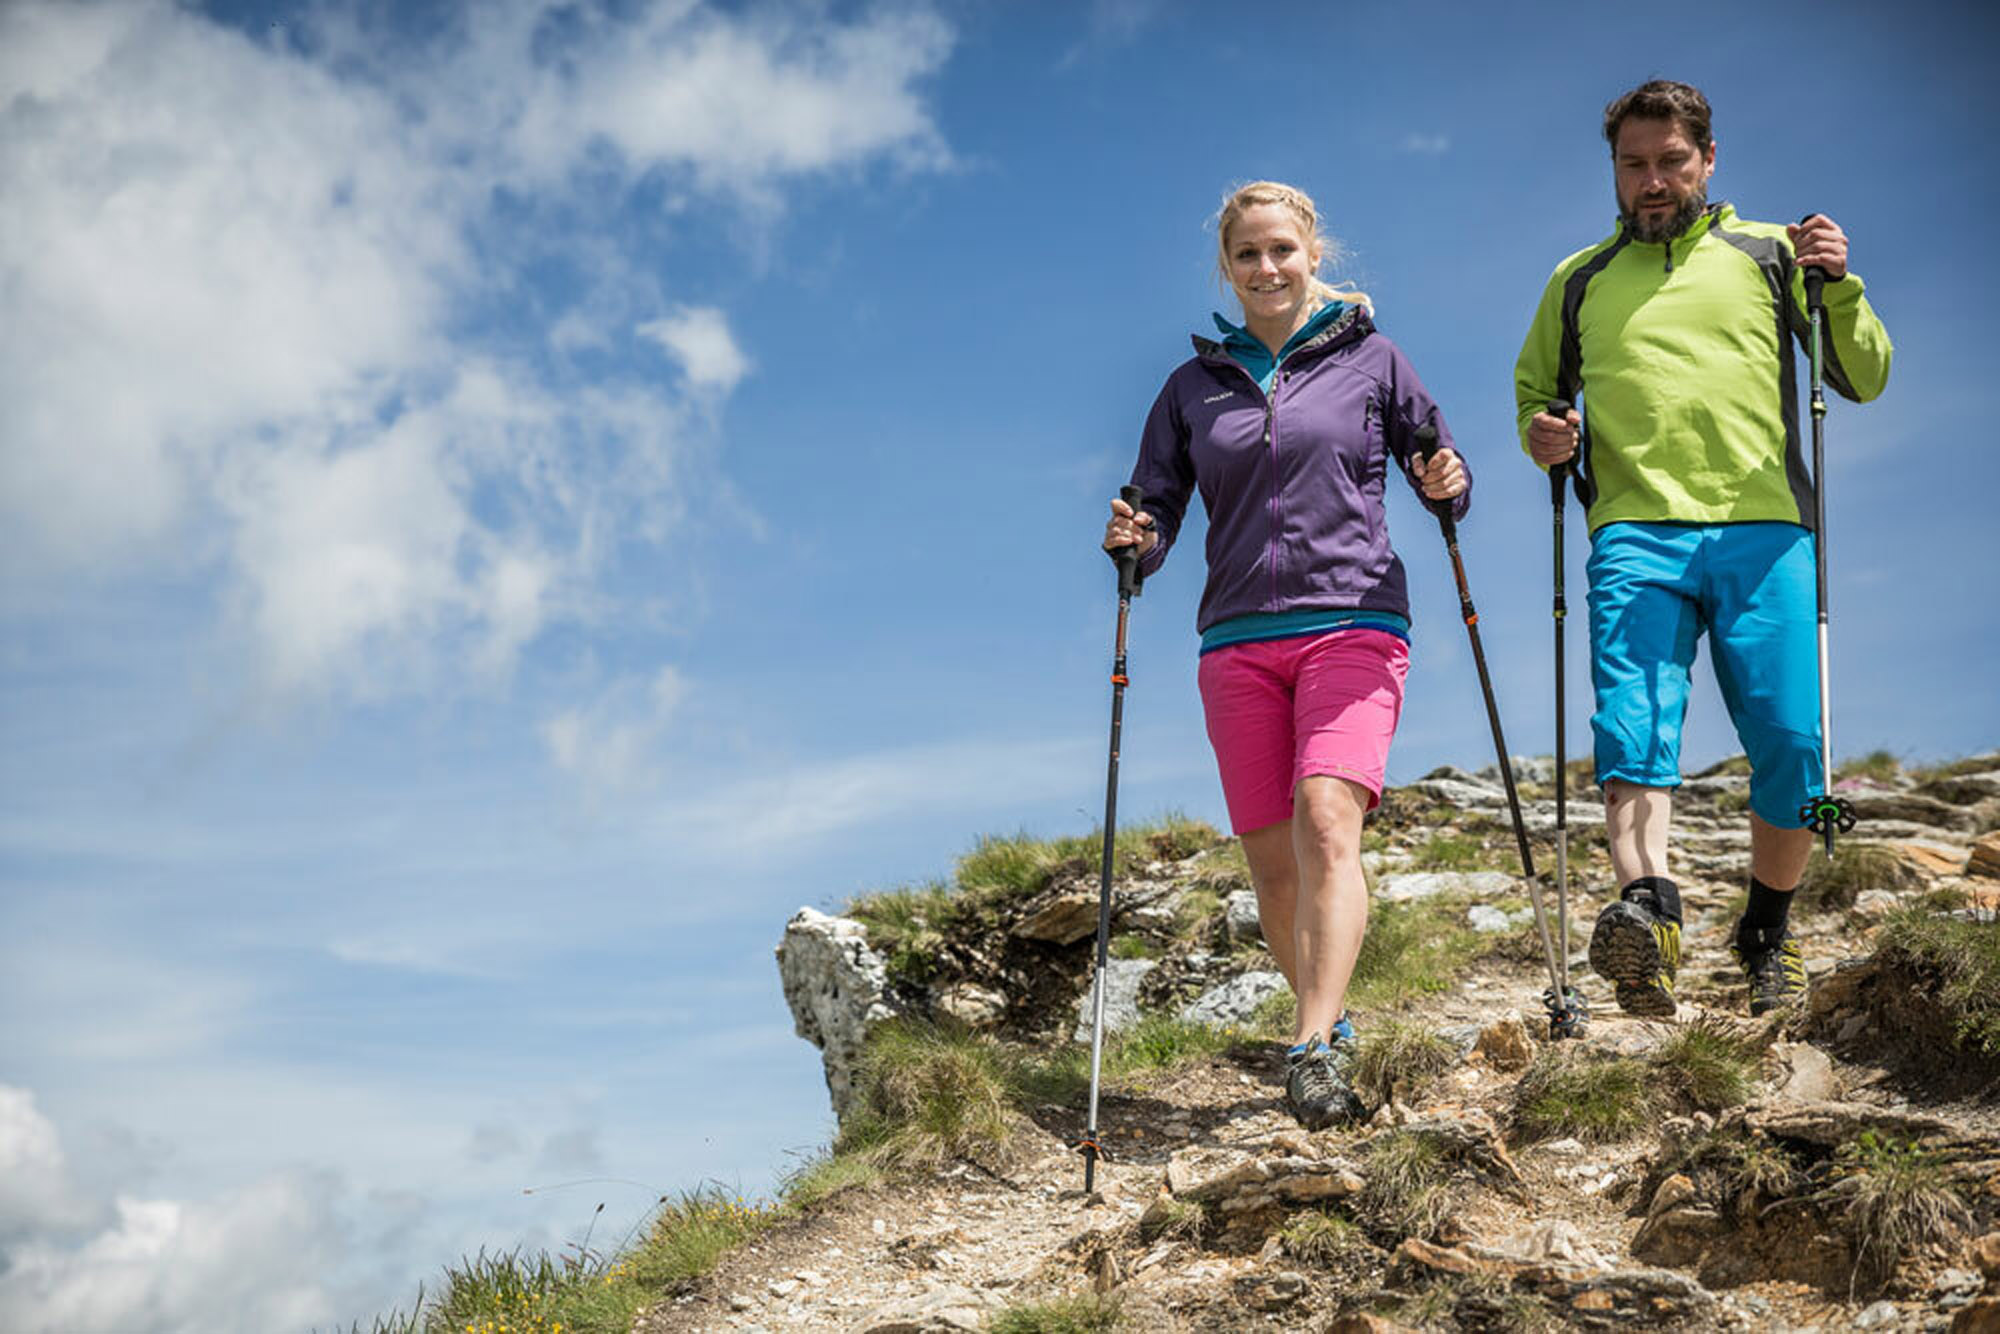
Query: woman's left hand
(1443, 477)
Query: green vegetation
(1834, 884)
(1446, 850)
(1408, 1191)
(1080, 1314)
(1412, 949)
(1176, 1220)
(1961, 961)
(583, 1292)
(1734, 766)
(1159, 1042)
(1401, 1058)
(1970, 764)
(1902, 1200)
(1881, 765)
(1318, 1238)
(907, 925)
(927, 1095)
(1133, 947)
(1591, 1097)
(1708, 1064)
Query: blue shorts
(1655, 588)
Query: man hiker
(1676, 332)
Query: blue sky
(505, 504)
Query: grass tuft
(1446, 850)
(1708, 1064)
(1412, 949)
(1402, 1059)
(1963, 960)
(926, 1096)
(1834, 884)
(1080, 1314)
(1904, 1201)
(1317, 1238)
(826, 1175)
(1408, 1189)
(1590, 1097)
(1176, 1220)
(1881, 765)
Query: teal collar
(1249, 351)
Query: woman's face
(1271, 264)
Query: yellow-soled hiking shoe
(1776, 969)
(1640, 954)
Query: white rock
(1405, 886)
(1121, 997)
(837, 990)
(1240, 915)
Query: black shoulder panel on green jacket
(1775, 263)
(1569, 357)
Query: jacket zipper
(1271, 448)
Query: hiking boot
(1316, 1089)
(1638, 952)
(1772, 962)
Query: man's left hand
(1819, 241)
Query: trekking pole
(1824, 812)
(1566, 1012)
(1126, 558)
(1565, 1008)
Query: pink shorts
(1288, 709)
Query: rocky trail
(1215, 1211)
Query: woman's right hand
(1128, 527)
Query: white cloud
(1424, 145)
(611, 743)
(699, 338)
(38, 1194)
(794, 808)
(234, 278)
(253, 1259)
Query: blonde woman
(1289, 426)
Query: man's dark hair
(1661, 99)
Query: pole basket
(1826, 813)
(1569, 1017)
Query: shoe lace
(1313, 1077)
(1778, 969)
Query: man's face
(1661, 179)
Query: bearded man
(1675, 334)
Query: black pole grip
(1559, 408)
(1426, 440)
(1815, 276)
(1126, 558)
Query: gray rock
(1881, 1313)
(940, 1311)
(1235, 1000)
(837, 990)
(1425, 884)
(1241, 919)
(1121, 997)
(1463, 795)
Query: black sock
(1658, 893)
(1767, 913)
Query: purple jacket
(1292, 482)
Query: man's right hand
(1552, 440)
(1129, 528)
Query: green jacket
(1680, 353)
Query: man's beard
(1665, 229)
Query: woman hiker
(1289, 426)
